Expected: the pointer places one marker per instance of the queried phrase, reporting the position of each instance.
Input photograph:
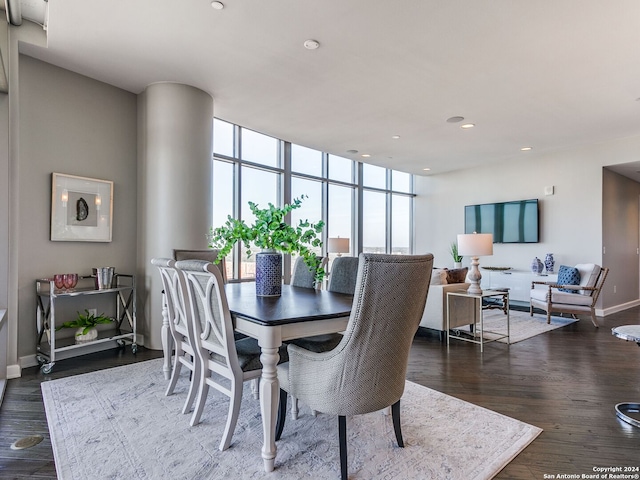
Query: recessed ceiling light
(426, 169)
(366, 155)
(311, 44)
(352, 151)
(468, 125)
(217, 5)
(525, 149)
(454, 119)
(395, 137)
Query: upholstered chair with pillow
(575, 292)
(366, 371)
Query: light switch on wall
(548, 190)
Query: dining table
(298, 312)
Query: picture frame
(81, 209)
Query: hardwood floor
(566, 382)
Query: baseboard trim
(14, 371)
(617, 308)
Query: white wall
(570, 220)
(69, 124)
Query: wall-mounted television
(509, 222)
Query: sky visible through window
(261, 182)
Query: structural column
(175, 135)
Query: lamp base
(474, 277)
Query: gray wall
(70, 124)
(620, 234)
(571, 219)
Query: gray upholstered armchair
(366, 371)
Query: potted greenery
(457, 259)
(275, 237)
(86, 326)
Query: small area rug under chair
(521, 325)
(118, 424)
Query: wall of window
(370, 205)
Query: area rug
(521, 325)
(118, 424)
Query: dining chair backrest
(210, 255)
(302, 275)
(366, 371)
(343, 275)
(174, 295)
(210, 314)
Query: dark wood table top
(296, 304)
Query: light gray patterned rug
(117, 424)
(521, 325)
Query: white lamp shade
(475, 244)
(338, 245)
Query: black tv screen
(509, 222)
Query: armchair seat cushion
(540, 294)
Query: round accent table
(629, 333)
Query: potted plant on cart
(86, 326)
(273, 236)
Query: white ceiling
(548, 74)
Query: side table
(629, 333)
(477, 333)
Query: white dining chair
(175, 309)
(226, 363)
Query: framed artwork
(81, 209)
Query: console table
(517, 281)
(477, 333)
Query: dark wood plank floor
(566, 381)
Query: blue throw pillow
(568, 276)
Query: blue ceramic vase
(549, 262)
(268, 274)
(537, 266)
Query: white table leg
(269, 396)
(167, 340)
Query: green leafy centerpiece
(86, 326)
(274, 236)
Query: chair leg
(294, 408)
(593, 318)
(232, 416)
(175, 373)
(395, 416)
(196, 378)
(282, 414)
(203, 392)
(548, 316)
(342, 435)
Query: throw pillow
(568, 276)
(438, 276)
(457, 275)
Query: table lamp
(475, 245)
(338, 245)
